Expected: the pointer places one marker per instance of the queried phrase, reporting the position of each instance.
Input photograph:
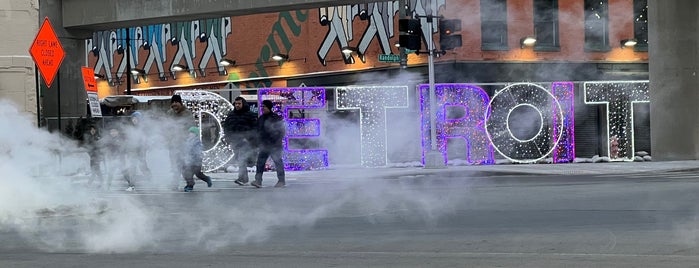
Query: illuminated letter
(372, 103)
(564, 151)
(619, 98)
(509, 108)
(298, 98)
(470, 127)
(208, 104)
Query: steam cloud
(46, 202)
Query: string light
(372, 103)
(504, 102)
(619, 98)
(564, 151)
(201, 102)
(474, 101)
(485, 124)
(285, 99)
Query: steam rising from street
(46, 201)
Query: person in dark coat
(271, 130)
(240, 128)
(90, 141)
(193, 158)
(180, 119)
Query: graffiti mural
(153, 40)
(285, 21)
(339, 20)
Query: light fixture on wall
(280, 57)
(179, 67)
(348, 50)
(136, 71)
(527, 41)
(99, 76)
(628, 43)
(226, 62)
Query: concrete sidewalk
(487, 170)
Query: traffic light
(447, 38)
(410, 34)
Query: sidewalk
(501, 170)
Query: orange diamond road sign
(47, 52)
(89, 79)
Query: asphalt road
(626, 220)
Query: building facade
(580, 42)
(18, 20)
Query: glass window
(640, 24)
(596, 25)
(546, 25)
(494, 25)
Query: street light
(280, 57)
(179, 67)
(348, 50)
(628, 43)
(527, 41)
(226, 62)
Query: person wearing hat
(193, 158)
(271, 130)
(240, 128)
(181, 119)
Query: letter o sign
(528, 108)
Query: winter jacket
(182, 122)
(91, 143)
(271, 130)
(240, 125)
(193, 155)
(183, 119)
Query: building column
(16, 65)
(673, 58)
(73, 97)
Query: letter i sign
(47, 52)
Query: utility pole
(403, 13)
(410, 37)
(434, 158)
(129, 75)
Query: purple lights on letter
(298, 98)
(564, 152)
(474, 102)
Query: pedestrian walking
(90, 142)
(180, 119)
(138, 142)
(193, 158)
(240, 128)
(271, 130)
(115, 158)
